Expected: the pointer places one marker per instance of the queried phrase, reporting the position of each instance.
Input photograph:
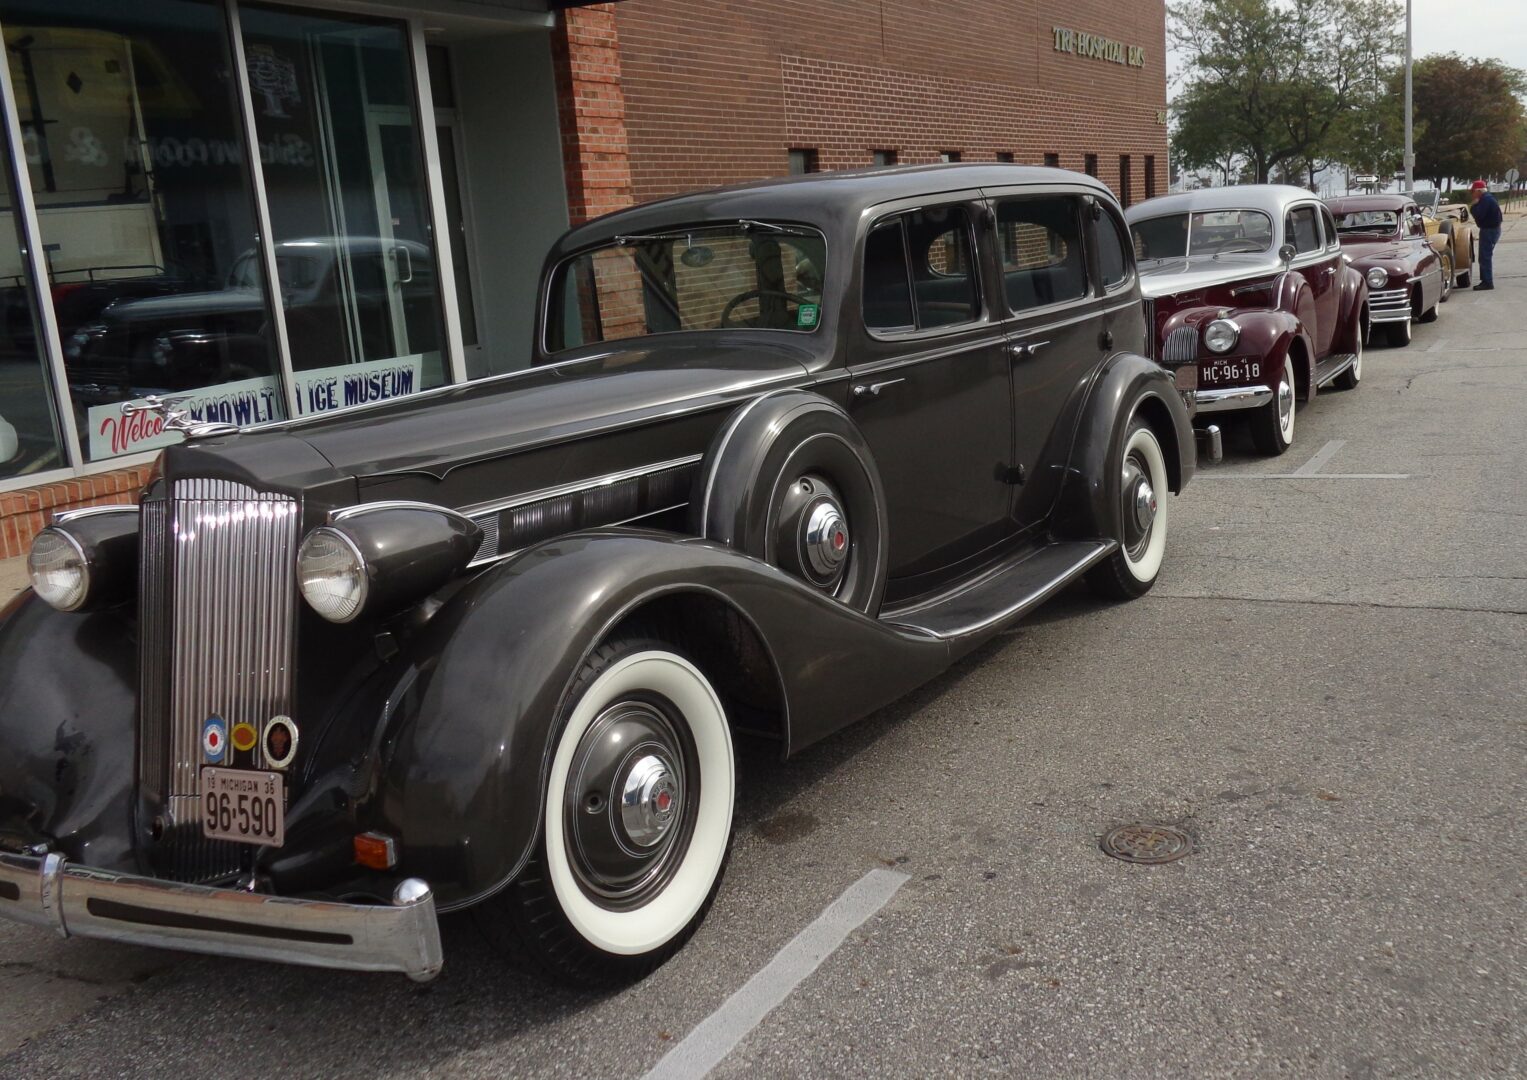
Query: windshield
(1381, 221)
(1208, 232)
(748, 275)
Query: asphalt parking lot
(1327, 690)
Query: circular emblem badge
(280, 741)
(214, 739)
(244, 737)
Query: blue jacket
(1486, 212)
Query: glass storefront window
(131, 135)
(345, 181)
(29, 437)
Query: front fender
(1088, 508)
(68, 698)
(1270, 334)
(467, 746)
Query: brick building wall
(719, 91)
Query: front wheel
(1399, 333)
(1349, 379)
(1447, 279)
(1272, 425)
(637, 824)
(1143, 485)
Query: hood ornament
(177, 419)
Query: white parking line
(708, 1044)
(1298, 476)
(1320, 457)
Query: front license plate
(1230, 371)
(246, 806)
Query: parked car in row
(1451, 229)
(1385, 237)
(1249, 285)
(784, 452)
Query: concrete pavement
(1326, 689)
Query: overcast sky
(1478, 28)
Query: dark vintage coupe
(1385, 237)
(1249, 283)
(784, 452)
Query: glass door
(345, 181)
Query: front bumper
(1225, 398)
(79, 901)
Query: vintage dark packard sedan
(1248, 283)
(784, 452)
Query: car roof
(1272, 199)
(823, 200)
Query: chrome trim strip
(347, 512)
(1233, 397)
(1390, 315)
(577, 486)
(488, 560)
(80, 901)
(64, 516)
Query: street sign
(1512, 176)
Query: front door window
(346, 184)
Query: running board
(1003, 594)
(1333, 366)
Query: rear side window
(1302, 229)
(920, 271)
(1041, 242)
(1112, 261)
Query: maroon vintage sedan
(1251, 282)
(1385, 237)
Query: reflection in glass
(29, 435)
(345, 181)
(138, 168)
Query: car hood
(185, 305)
(1164, 277)
(431, 434)
(1369, 250)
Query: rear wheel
(1272, 425)
(637, 824)
(1466, 274)
(1143, 483)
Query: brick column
(591, 107)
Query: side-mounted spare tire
(790, 480)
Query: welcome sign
(255, 401)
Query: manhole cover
(1147, 843)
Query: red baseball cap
(1479, 185)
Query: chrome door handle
(1025, 349)
(873, 389)
(1330, 270)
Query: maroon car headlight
(1221, 335)
(1378, 277)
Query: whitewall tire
(637, 821)
(1143, 494)
(1272, 425)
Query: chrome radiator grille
(1181, 346)
(218, 618)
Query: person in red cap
(1487, 216)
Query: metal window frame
(265, 240)
(29, 233)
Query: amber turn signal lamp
(375, 851)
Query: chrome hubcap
(629, 806)
(1285, 403)
(649, 801)
(1139, 506)
(814, 539)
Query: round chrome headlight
(59, 570)
(332, 574)
(1378, 277)
(1221, 335)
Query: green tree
(1469, 116)
(1278, 82)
